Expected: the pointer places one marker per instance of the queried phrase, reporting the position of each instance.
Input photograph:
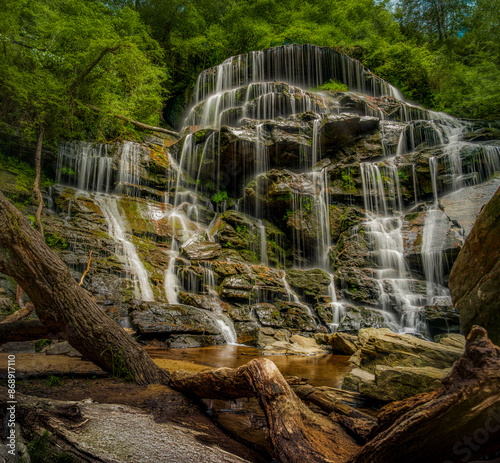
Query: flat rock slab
(44, 365)
(119, 433)
(463, 206)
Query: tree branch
(87, 71)
(138, 124)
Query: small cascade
(338, 311)
(171, 284)
(130, 163)
(86, 166)
(382, 194)
(117, 226)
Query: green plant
(332, 86)
(67, 171)
(53, 381)
(40, 344)
(288, 214)
(241, 229)
(119, 368)
(403, 176)
(347, 181)
(219, 197)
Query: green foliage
(288, 214)
(24, 172)
(53, 381)
(60, 56)
(40, 344)
(241, 229)
(347, 181)
(219, 197)
(332, 86)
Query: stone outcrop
(392, 366)
(475, 275)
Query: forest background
(67, 65)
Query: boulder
(342, 343)
(475, 275)
(442, 318)
(357, 318)
(202, 250)
(463, 206)
(297, 345)
(168, 319)
(383, 347)
(395, 383)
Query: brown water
(320, 369)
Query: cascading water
(259, 143)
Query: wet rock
(342, 218)
(168, 319)
(358, 318)
(311, 285)
(186, 341)
(442, 318)
(202, 250)
(476, 273)
(463, 206)
(342, 130)
(446, 239)
(484, 134)
(289, 315)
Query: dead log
(20, 331)
(297, 434)
(326, 403)
(459, 422)
(19, 314)
(65, 307)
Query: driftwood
(19, 314)
(86, 270)
(297, 434)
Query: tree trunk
(38, 174)
(65, 307)
(297, 434)
(19, 314)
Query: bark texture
(65, 307)
(297, 434)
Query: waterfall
(117, 226)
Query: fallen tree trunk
(297, 434)
(461, 420)
(25, 331)
(65, 307)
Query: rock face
(475, 275)
(278, 211)
(393, 367)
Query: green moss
(332, 86)
(54, 241)
(40, 344)
(53, 381)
